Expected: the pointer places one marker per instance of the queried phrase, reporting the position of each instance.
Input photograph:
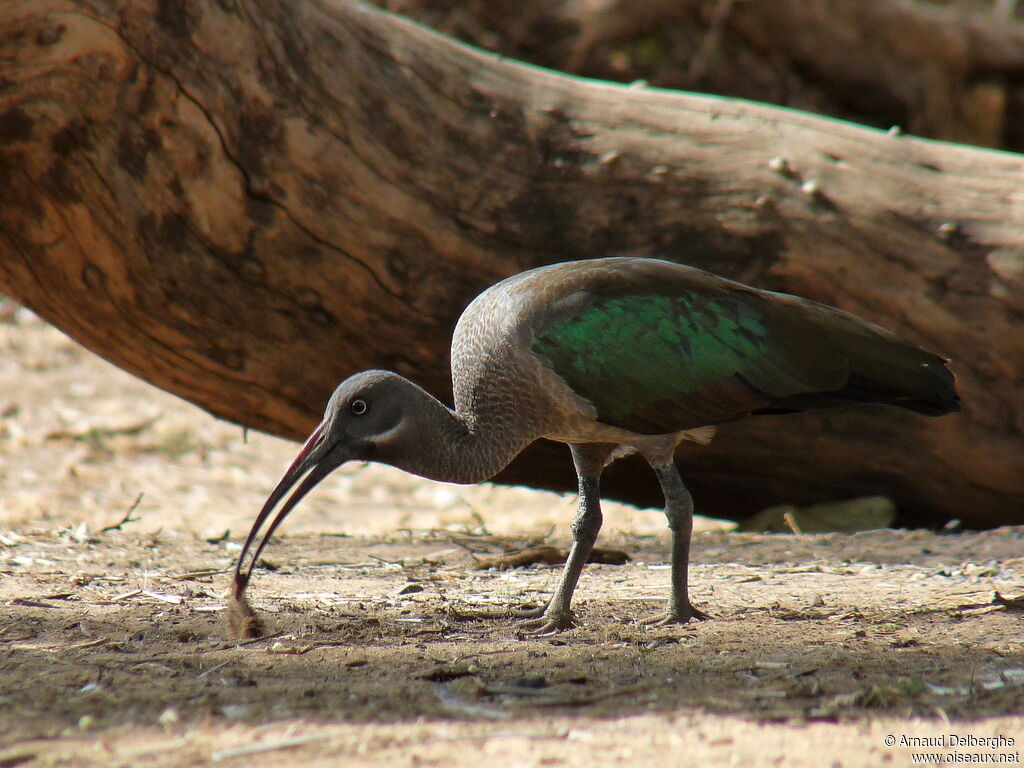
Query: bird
(611, 356)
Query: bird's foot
(548, 623)
(681, 615)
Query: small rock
(169, 717)
(861, 514)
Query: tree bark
(244, 202)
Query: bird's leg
(557, 615)
(679, 511)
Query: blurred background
(951, 70)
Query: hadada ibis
(610, 356)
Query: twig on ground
(301, 650)
(127, 517)
(254, 749)
(399, 563)
(1011, 603)
(213, 669)
(199, 574)
(793, 526)
(253, 640)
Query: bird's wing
(662, 356)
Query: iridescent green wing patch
(661, 363)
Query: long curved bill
(315, 461)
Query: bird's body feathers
(654, 348)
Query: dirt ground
(825, 650)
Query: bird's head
(366, 419)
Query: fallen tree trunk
(945, 69)
(244, 202)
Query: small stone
(169, 717)
(860, 514)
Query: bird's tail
(887, 368)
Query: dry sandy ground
(113, 653)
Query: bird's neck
(462, 448)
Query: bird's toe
(547, 624)
(529, 611)
(675, 616)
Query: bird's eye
(359, 407)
